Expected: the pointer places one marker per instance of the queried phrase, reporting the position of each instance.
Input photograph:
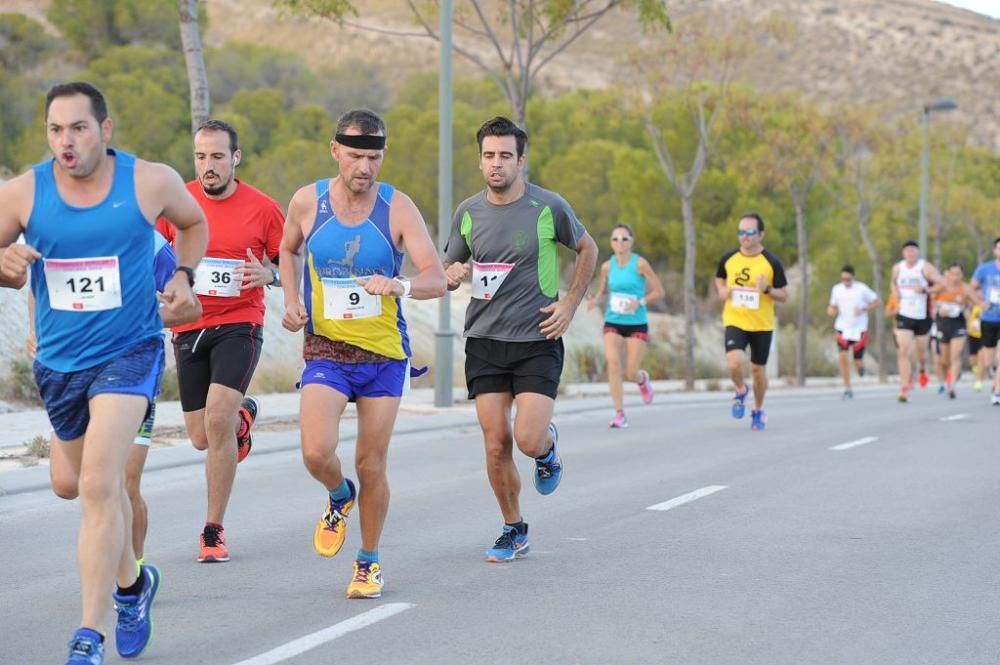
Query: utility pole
(444, 356)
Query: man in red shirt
(216, 355)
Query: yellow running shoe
(367, 582)
(331, 530)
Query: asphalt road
(862, 532)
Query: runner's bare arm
(976, 291)
(16, 198)
(172, 201)
(893, 286)
(586, 262)
(602, 284)
(561, 311)
(723, 290)
(933, 276)
(407, 224)
(291, 258)
(654, 287)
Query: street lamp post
(444, 352)
(942, 104)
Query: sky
(988, 7)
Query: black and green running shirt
(515, 269)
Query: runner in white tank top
(913, 280)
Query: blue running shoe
(758, 421)
(86, 648)
(739, 402)
(135, 619)
(512, 544)
(548, 474)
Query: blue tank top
(337, 251)
(103, 297)
(625, 281)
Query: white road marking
(957, 416)
(852, 444)
(303, 644)
(687, 498)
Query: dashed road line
(855, 443)
(687, 498)
(311, 641)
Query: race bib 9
(83, 285)
(215, 277)
(487, 278)
(742, 298)
(620, 302)
(346, 300)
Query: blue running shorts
(136, 371)
(389, 378)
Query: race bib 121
(83, 285)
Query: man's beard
(218, 189)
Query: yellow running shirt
(747, 308)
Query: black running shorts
(493, 366)
(225, 354)
(950, 328)
(759, 342)
(920, 327)
(991, 333)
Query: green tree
(93, 25)
(24, 43)
(524, 35)
(239, 66)
(263, 107)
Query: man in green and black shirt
(507, 237)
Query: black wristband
(187, 271)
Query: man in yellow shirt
(975, 338)
(749, 280)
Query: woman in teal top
(629, 283)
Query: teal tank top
(625, 282)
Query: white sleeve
(833, 295)
(871, 295)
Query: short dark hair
(623, 225)
(368, 122)
(911, 243)
(214, 125)
(501, 126)
(755, 216)
(997, 241)
(955, 264)
(98, 105)
(847, 268)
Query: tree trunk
(194, 58)
(803, 246)
(690, 310)
(864, 219)
(520, 107)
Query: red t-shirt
(246, 219)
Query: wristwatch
(767, 289)
(407, 285)
(187, 271)
(275, 278)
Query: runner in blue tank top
(348, 234)
(87, 218)
(630, 283)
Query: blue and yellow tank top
(625, 282)
(337, 251)
(94, 288)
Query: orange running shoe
(248, 414)
(367, 582)
(331, 530)
(213, 545)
